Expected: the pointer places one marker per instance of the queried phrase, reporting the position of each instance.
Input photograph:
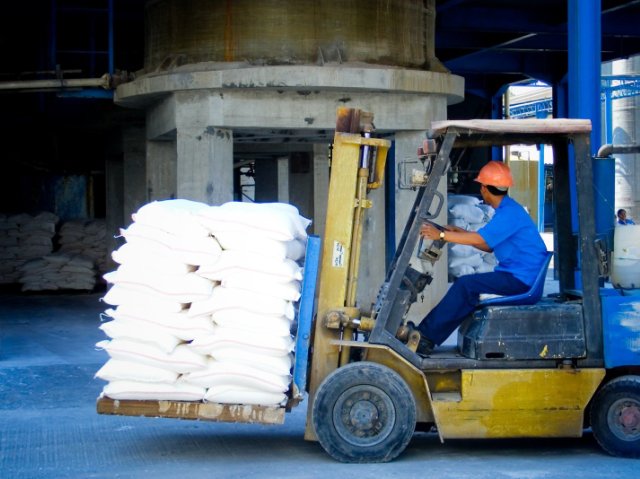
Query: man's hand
(454, 234)
(429, 231)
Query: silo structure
(230, 83)
(625, 124)
(289, 32)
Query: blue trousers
(462, 298)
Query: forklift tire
(364, 412)
(615, 417)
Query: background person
(622, 218)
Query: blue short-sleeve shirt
(515, 241)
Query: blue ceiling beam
(514, 63)
(506, 20)
(486, 41)
(92, 93)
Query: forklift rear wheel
(364, 412)
(615, 417)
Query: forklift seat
(532, 296)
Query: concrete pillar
(320, 186)
(266, 180)
(204, 151)
(134, 164)
(205, 164)
(161, 170)
(406, 144)
(115, 216)
(283, 179)
(300, 174)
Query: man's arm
(456, 235)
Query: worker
(511, 235)
(623, 219)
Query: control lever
(434, 251)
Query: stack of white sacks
(85, 238)
(469, 213)
(203, 302)
(24, 237)
(57, 271)
(74, 266)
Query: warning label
(338, 255)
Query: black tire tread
(364, 372)
(607, 443)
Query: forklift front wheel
(615, 417)
(364, 412)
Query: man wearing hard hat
(511, 235)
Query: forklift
(524, 366)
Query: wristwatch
(442, 235)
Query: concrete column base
(161, 170)
(205, 165)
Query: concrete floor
(49, 427)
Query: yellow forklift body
(492, 403)
(516, 403)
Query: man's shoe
(425, 346)
(405, 330)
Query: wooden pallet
(242, 413)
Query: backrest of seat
(532, 296)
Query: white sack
(120, 294)
(230, 240)
(453, 200)
(195, 250)
(227, 298)
(178, 217)
(461, 251)
(475, 226)
(461, 270)
(280, 365)
(119, 328)
(235, 262)
(131, 254)
(235, 395)
(469, 213)
(232, 374)
(277, 221)
(485, 268)
(258, 344)
(488, 211)
(181, 360)
(287, 291)
(184, 288)
(134, 390)
(460, 223)
(117, 370)
(179, 324)
(490, 258)
(296, 249)
(253, 322)
(474, 261)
